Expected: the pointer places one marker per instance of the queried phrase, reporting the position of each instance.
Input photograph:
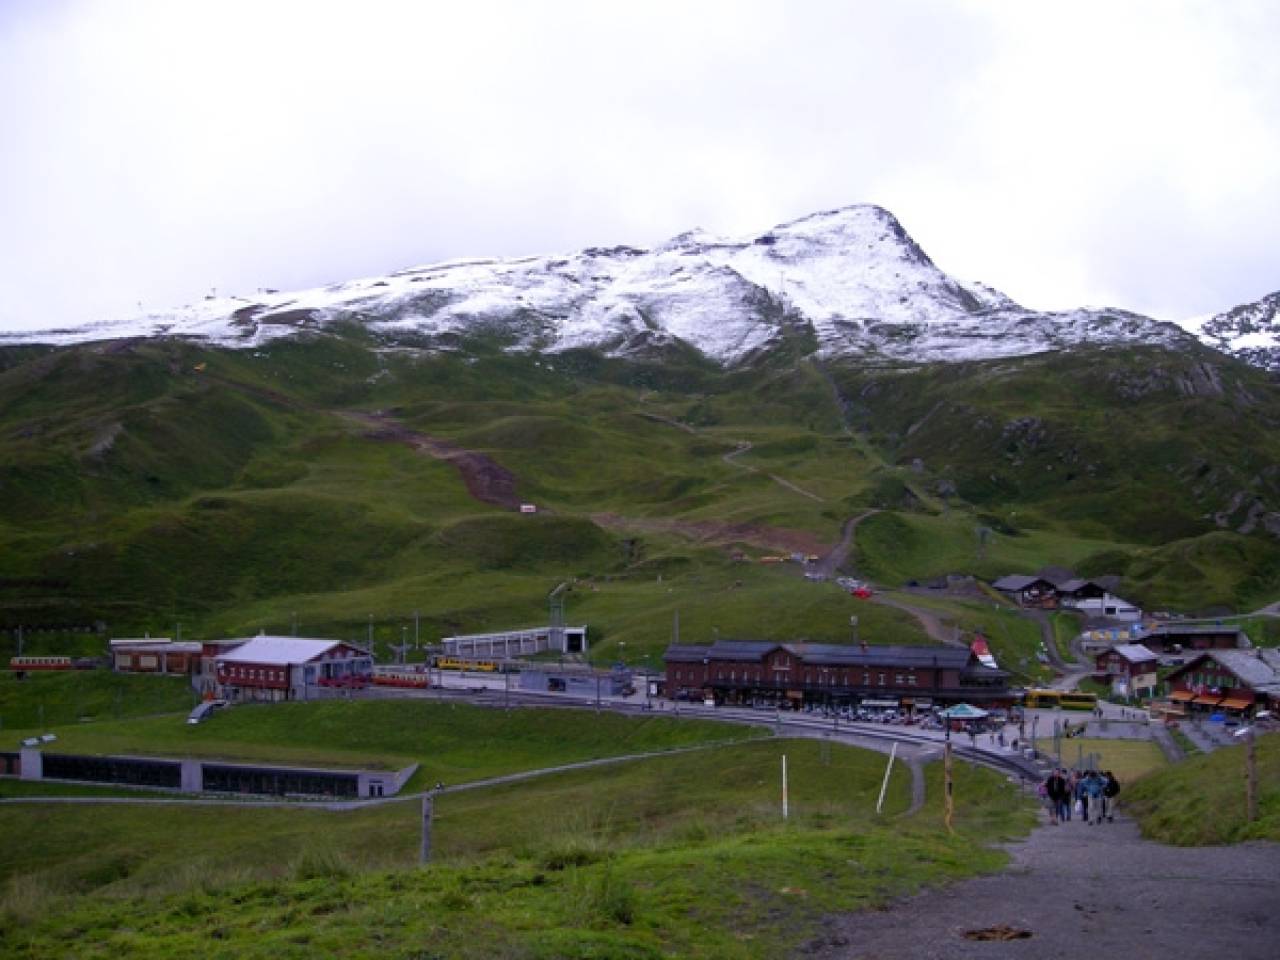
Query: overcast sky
(1117, 153)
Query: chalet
(1128, 667)
(283, 668)
(1236, 681)
(1095, 600)
(1028, 591)
(1178, 637)
(796, 674)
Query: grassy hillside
(151, 484)
(46, 700)
(452, 742)
(682, 855)
(1202, 800)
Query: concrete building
(204, 776)
(154, 655)
(281, 668)
(516, 643)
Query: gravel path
(1082, 890)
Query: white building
(1094, 600)
(516, 643)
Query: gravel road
(1082, 890)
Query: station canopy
(964, 711)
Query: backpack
(1112, 787)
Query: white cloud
(1115, 152)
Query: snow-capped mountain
(850, 281)
(1250, 331)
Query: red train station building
(799, 674)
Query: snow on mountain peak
(851, 277)
(1250, 331)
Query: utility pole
(416, 644)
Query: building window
(897, 680)
(866, 678)
(882, 679)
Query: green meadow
(164, 486)
(684, 854)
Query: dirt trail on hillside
(931, 621)
(718, 533)
(831, 563)
(1099, 891)
(731, 457)
(486, 480)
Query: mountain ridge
(851, 278)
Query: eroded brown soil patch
(486, 479)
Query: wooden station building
(798, 674)
(1174, 637)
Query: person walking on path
(1093, 787)
(1055, 787)
(1073, 786)
(1110, 790)
(1082, 797)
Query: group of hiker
(1090, 793)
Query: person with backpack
(1110, 790)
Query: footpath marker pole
(885, 785)
(948, 802)
(1250, 778)
(424, 851)
(785, 810)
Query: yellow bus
(1041, 699)
(1075, 700)
(1066, 699)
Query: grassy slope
(1202, 800)
(47, 700)
(452, 742)
(1014, 640)
(1127, 759)
(681, 855)
(145, 492)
